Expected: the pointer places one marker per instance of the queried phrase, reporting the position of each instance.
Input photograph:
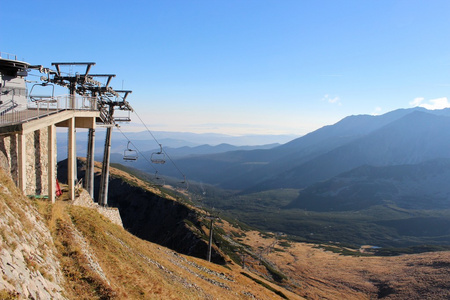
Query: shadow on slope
(151, 217)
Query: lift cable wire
(168, 156)
(149, 162)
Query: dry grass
(82, 282)
(8, 295)
(319, 274)
(133, 180)
(14, 202)
(136, 269)
(313, 272)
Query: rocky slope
(65, 251)
(28, 258)
(57, 251)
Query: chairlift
(184, 185)
(130, 155)
(42, 98)
(158, 157)
(159, 181)
(124, 117)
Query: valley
(213, 150)
(322, 274)
(377, 180)
(367, 231)
(248, 263)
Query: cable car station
(28, 123)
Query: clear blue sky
(244, 66)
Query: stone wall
(111, 213)
(8, 155)
(36, 145)
(37, 162)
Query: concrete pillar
(71, 159)
(51, 167)
(103, 194)
(89, 176)
(22, 162)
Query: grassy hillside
(102, 260)
(65, 251)
(76, 253)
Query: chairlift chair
(42, 98)
(130, 155)
(184, 185)
(158, 157)
(159, 181)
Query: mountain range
(405, 136)
(175, 143)
(422, 186)
(379, 180)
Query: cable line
(140, 153)
(163, 150)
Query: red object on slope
(58, 189)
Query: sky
(246, 66)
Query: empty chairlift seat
(129, 154)
(158, 157)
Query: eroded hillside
(28, 258)
(66, 251)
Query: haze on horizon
(246, 67)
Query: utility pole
(211, 229)
(210, 238)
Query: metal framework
(85, 84)
(107, 101)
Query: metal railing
(9, 56)
(41, 106)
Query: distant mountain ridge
(183, 152)
(414, 138)
(208, 149)
(403, 136)
(413, 186)
(184, 143)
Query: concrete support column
(103, 194)
(71, 159)
(89, 177)
(51, 167)
(22, 162)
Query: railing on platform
(8, 56)
(41, 106)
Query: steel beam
(104, 181)
(89, 176)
